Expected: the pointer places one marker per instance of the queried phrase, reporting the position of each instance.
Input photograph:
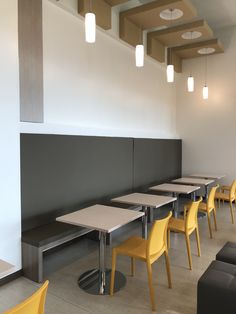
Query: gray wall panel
(156, 161)
(62, 173)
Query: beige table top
(193, 181)
(5, 268)
(209, 176)
(145, 199)
(175, 188)
(100, 217)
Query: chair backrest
(32, 305)
(191, 216)
(232, 191)
(211, 197)
(158, 236)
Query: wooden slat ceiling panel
(148, 16)
(191, 50)
(173, 36)
(102, 10)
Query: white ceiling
(218, 13)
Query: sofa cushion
(217, 289)
(228, 253)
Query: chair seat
(202, 207)
(225, 187)
(134, 247)
(177, 225)
(222, 196)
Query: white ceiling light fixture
(191, 35)
(190, 81)
(171, 14)
(170, 70)
(170, 73)
(190, 84)
(205, 90)
(90, 25)
(139, 52)
(206, 51)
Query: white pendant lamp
(170, 72)
(190, 84)
(139, 52)
(139, 56)
(205, 90)
(90, 25)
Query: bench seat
(41, 239)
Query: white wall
(96, 89)
(208, 128)
(10, 212)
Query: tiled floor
(65, 297)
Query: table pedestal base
(89, 282)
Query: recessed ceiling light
(191, 35)
(206, 51)
(171, 14)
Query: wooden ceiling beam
(177, 54)
(102, 10)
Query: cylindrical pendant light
(190, 84)
(205, 90)
(90, 25)
(139, 56)
(170, 72)
(139, 52)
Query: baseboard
(11, 277)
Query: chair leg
(209, 224)
(214, 215)
(198, 241)
(149, 271)
(113, 269)
(232, 211)
(168, 269)
(188, 250)
(132, 266)
(168, 238)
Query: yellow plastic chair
(228, 197)
(187, 226)
(209, 207)
(32, 305)
(226, 188)
(147, 251)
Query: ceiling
(218, 13)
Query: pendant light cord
(90, 6)
(206, 70)
(141, 36)
(191, 67)
(171, 20)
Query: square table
(5, 268)
(195, 181)
(176, 189)
(104, 219)
(148, 202)
(209, 176)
